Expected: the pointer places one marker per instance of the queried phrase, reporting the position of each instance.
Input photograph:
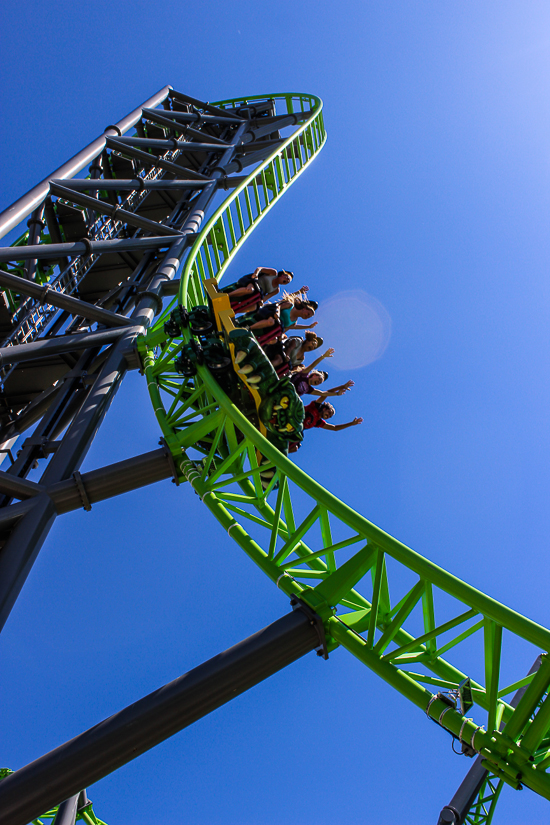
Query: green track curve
(315, 547)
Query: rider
(317, 413)
(271, 321)
(306, 380)
(252, 290)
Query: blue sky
(432, 196)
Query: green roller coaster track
(316, 548)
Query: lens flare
(356, 325)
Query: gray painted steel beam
(96, 485)
(57, 775)
(45, 347)
(55, 250)
(10, 515)
(31, 413)
(153, 115)
(115, 212)
(251, 146)
(185, 146)
(15, 213)
(187, 129)
(192, 117)
(201, 104)
(152, 160)
(239, 164)
(47, 295)
(113, 480)
(116, 184)
(168, 288)
(19, 488)
(32, 448)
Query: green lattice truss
(314, 546)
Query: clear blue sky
(432, 195)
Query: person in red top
(317, 413)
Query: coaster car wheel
(185, 366)
(218, 363)
(200, 322)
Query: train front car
(242, 369)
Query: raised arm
(328, 354)
(300, 293)
(303, 326)
(343, 426)
(339, 390)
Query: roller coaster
(120, 270)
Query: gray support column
(81, 432)
(25, 794)
(66, 813)
(32, 447)
(97, 485)
(20, 551)
(36, 225)
(22, 547)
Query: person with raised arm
(317, 413)
(271, 321)
(306, 380)
(251, 291)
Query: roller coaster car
(277, 408)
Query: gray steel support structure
(59, 774)
(182, 174)
(97, 261)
